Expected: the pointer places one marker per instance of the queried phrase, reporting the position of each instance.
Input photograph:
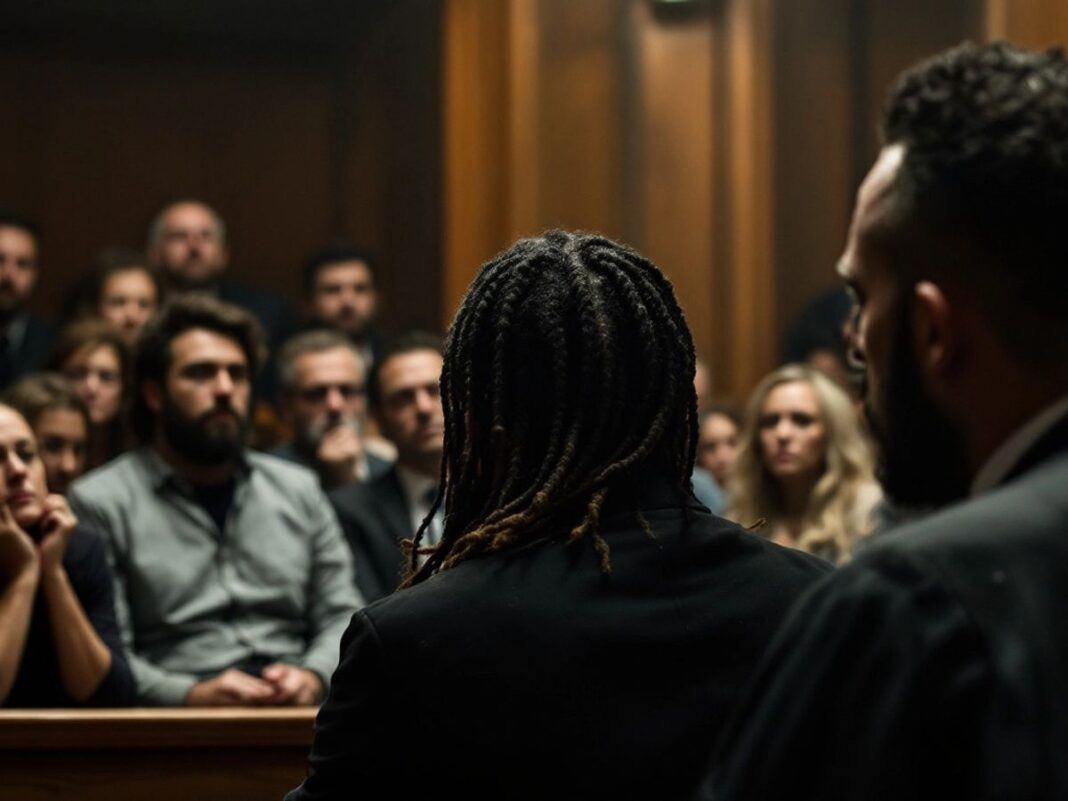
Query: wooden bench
(153, 754)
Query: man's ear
(936, 334)
(153, 396)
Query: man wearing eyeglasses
(379, 515)
(323, 401)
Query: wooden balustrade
(152, 754)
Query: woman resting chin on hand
(59, 641)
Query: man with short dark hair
(936, 664)
(379, 515)
(233, 581)
(323, 400)
(340, 292)
(24, 337)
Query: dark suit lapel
(1052, 443)
(394, 507)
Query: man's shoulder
(1016, 517)
(123, 477)
(289, 477)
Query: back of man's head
(981, 198)
(152, 358)
(568, 368)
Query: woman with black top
(59, 640)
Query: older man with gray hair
(321, 379)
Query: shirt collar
(1008, 454)
(161, 473)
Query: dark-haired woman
(59, 641)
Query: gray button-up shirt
(275, 585)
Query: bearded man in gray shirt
(234, 584)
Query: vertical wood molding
(524, 151)
(476, 75)
(1036, 24)
(748, 304)
(673, 116)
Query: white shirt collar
(1005, 458)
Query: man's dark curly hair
(568, 372)
(153, 356)
(982, 196)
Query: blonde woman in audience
(93, 357)
(804, 465)
(59, 639)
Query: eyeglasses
(319, 392)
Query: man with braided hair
(580, 612)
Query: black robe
(530, 674)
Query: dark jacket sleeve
(352, 752)
(91, 578)
(872, 689)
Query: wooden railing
(152, 754)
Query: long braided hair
(569, 365)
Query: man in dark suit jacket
(581, 611)
(25, 339)
(936, 664)
(377, 516)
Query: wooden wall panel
(672, 220)
(814, 180)
(297, 130)
(1035, 24)
(581, 118)
(749, 191)
(101, 146)
(475, 74)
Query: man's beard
(202, 440)
(923, 452)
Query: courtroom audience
(233, 582)
(59, 641)
(579, 615)
(93, 356)
(804, 466)
(60, 424)
(25, 338)
(718, 438)
(323, 399)
(379, 515)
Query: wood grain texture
(157, 754)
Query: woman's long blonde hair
(838, 511)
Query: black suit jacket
(375, 519)
(530, 674)
(934, 666)
(30, 354)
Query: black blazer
(31, 353)
(530, 674)
(934, 666)
(375, 519)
